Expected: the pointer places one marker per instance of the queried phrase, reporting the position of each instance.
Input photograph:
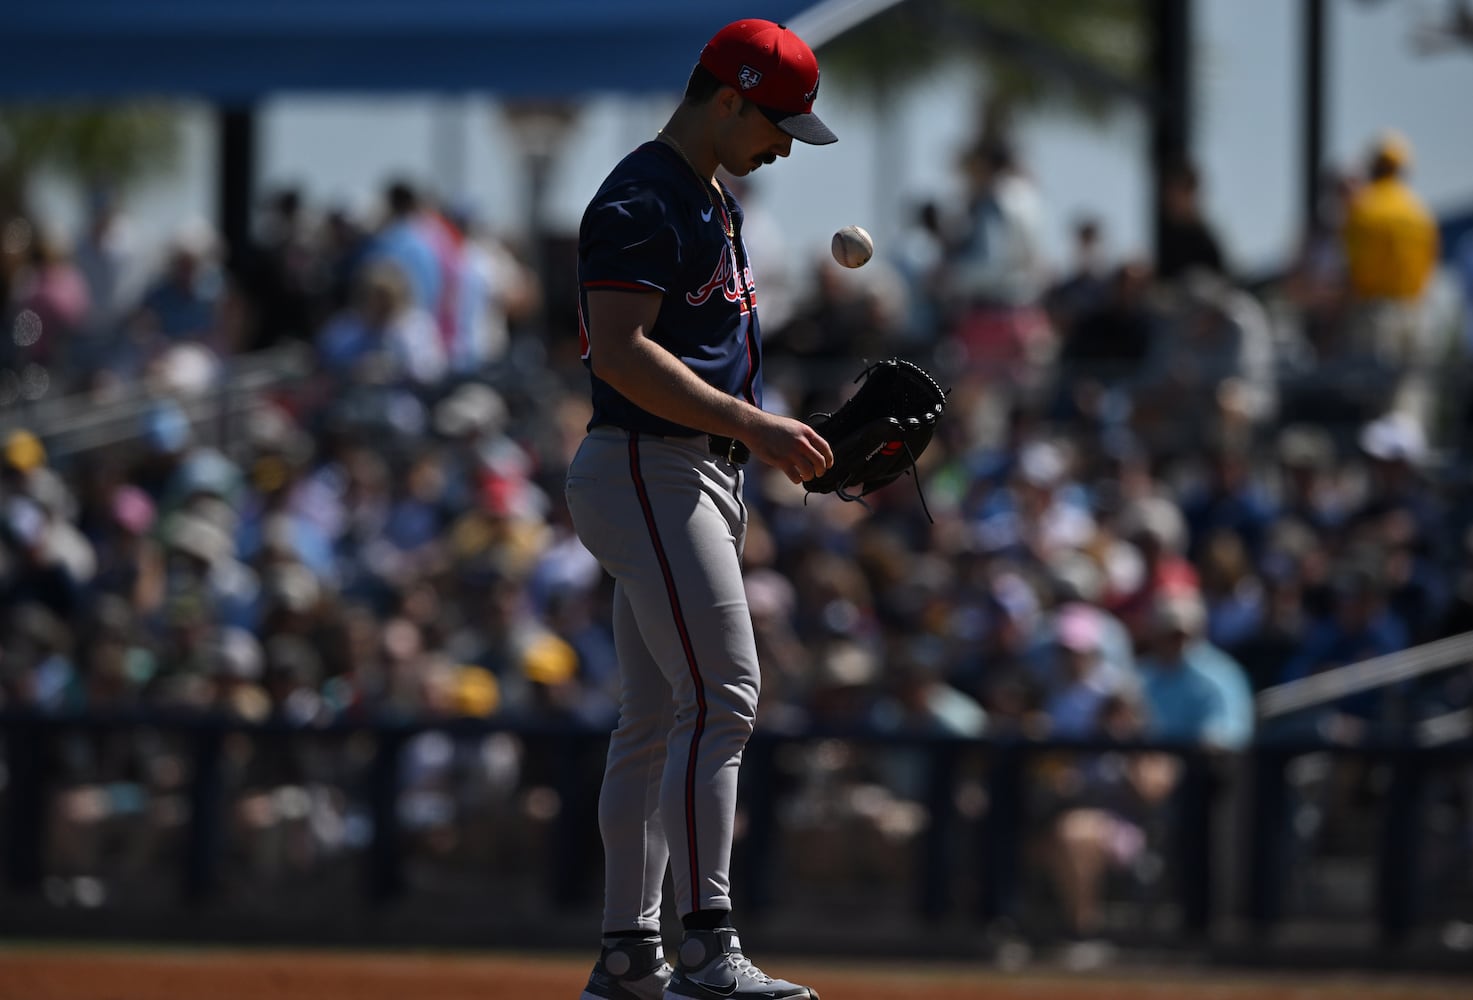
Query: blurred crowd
(1157, 490)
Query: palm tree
(1080, 55)
(100, 148)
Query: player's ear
(729, 102)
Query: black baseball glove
(880, 431)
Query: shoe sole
(595, 996)
(811, 995)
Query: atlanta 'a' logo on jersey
(724, 278)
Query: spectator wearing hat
(292, 599)
(1231, 590)
(30, 573)
(235, 663)
(1402, 518)
(187, 301)
(551, 667)
(1081, 675)
(1311, 490)
(1194, 692)
(1154, 526)
(1396, 446)
(204, 581)
(1391, 249)
(23, 453)
(572, 614)
(385, 336)
(487, 468)
(1041, 514)
(209, 482)
(65, 544)
(284, 513)
(130, 561)
(166, 435)
(25, 476)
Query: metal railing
(1378, 672)
(78, 423)
(993, 845)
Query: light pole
(541, 127)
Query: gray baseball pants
(665, 518)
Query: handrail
(79, 422)
(1367, 675)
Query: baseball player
(669, 330)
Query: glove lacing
(842, 492)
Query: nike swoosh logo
(706, 215)
(724, 991)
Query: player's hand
(790, 446)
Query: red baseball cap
(775, 70)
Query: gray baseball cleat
(711, 966)
(629, 969)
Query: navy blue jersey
(652, 227)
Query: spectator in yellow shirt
(1391, 250)
(1390, 237)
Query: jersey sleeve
(631, 242)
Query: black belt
(729, 448)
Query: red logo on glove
(891, 448)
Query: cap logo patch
(812, 95)
(749, 78)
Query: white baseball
(852, 246)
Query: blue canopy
(239, 50)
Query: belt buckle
(731, 447)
